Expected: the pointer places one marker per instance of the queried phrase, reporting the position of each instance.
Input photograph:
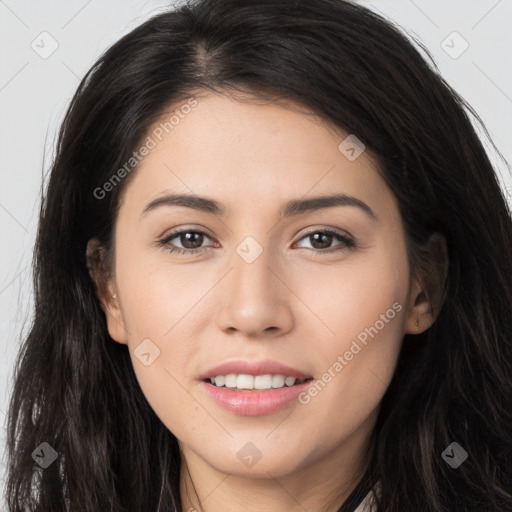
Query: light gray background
(34, 93)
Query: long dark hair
(75, 388)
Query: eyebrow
(291, 208)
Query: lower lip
(255, 403)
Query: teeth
(229, 380)
(243, 381)
(278, 381)
(263, 381)
(289, 381)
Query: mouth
(238, 398)
(254, 388)
(248, 383)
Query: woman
(190, 352)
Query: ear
(428, 288)
(105, 290)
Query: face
(326, 292)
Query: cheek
(162, 312)
(365, 315)
(161, 303)
(351, 298)
(159, 296)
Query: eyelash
(346, 241)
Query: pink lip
(254, 368)
(254, 403)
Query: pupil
(191, 235)
(325, 244)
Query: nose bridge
(253, 299)
(251, 277)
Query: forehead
(245, 149)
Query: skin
(293, 304)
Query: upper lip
(254, 368)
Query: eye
(191, 241)
(323, 238)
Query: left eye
(325, 237)
(192, 241)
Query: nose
(254, 299)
